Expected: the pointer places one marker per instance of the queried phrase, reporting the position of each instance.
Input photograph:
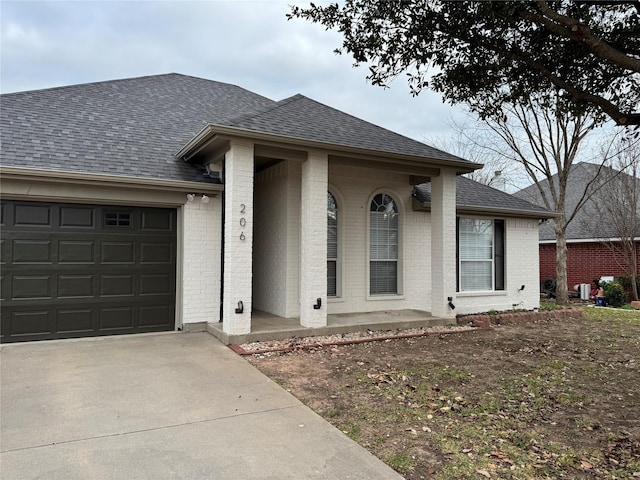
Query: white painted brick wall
(270, 257)
(521, 263)
(292, 288)
(201, 243)
(443, 241)
(238, 258)
(356, 187)
(313, 240)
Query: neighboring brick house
(588, 256)
(172, 202)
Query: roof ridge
(118, 80)
(233, 121)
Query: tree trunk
(562, 297)
(634, 272)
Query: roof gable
(303, 118)
(585, 225)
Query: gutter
(587, 240)
(80, 178)
(506, 212)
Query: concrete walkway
(162, 406)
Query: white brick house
(290, 208)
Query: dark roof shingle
(470, 193)
(128, 127)
(304, 118)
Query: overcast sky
(247, 43)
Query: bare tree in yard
(618, 207)
(469, 142)
(547, 142)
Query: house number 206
(243, 221)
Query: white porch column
(443, 243)
(313, 240)
(238, 237)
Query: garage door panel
(34, 322)
(83, 270)
(116, 318)
(32, 251)
(116, 285)
(156, 220)
(117, 252)
(76, 251)
(156, 284)
(77, 217)
(75, 320)
(33, 215)
(156, 253)
(4, 251)
(75, 286)
(31, 287)
(156, 316)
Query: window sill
(375, 298)
(335, 299)
(482, 293)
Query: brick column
(313, 240)
(238, 237)
(443, 243)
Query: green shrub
(614, 293)
(625, 281)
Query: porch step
(278, 328)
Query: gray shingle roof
(586, 224)
(470, 193)
(304, 118)
(128, 127)
(133, 127)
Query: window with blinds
(383, 246)
(332, 246)
(480, 254)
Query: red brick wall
(585, 262)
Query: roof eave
(208, 134)
(504, 212)
(585, 240)
(61, 176)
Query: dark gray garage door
(83, 270)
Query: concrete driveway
(162, 406)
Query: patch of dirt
(555, 399)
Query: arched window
(383, 245)
(332, 246)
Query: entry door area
(75, 270)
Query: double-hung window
(383, 246)
(332, 246)
(480, 254)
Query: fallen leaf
(484, 473)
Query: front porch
(266, 326)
